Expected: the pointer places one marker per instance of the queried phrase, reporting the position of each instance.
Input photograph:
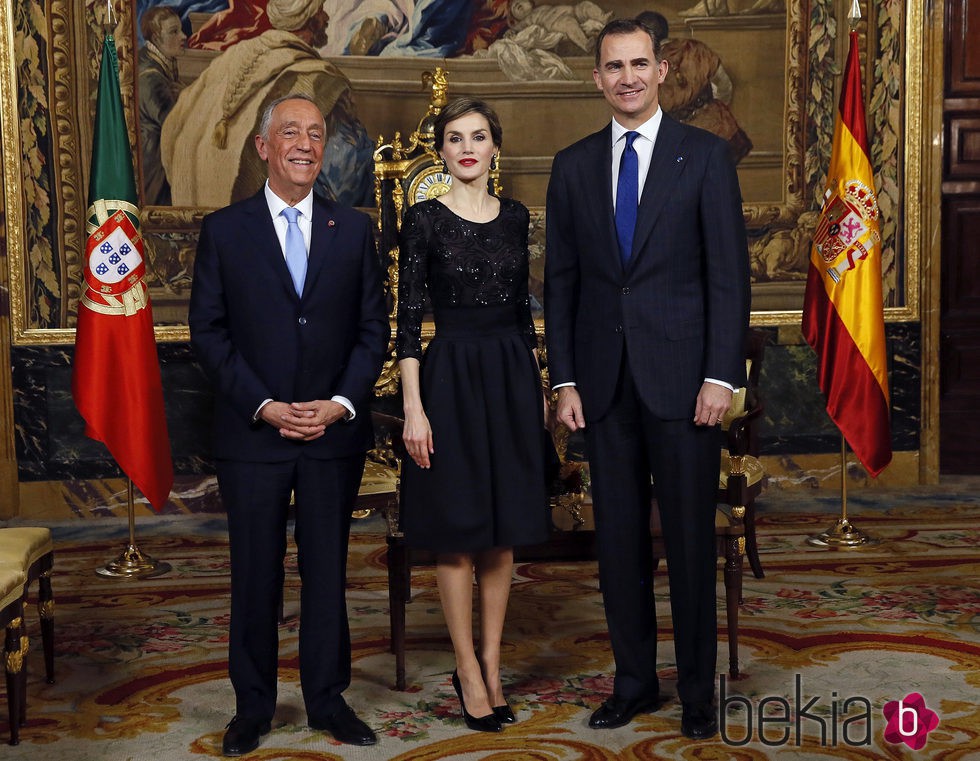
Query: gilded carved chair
(28, 554)
(741, 478)
(406, 172)
(12, 593)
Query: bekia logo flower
(909, 721)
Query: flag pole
(843, 318)
(842, 533)
(131, 563)
(114, 341)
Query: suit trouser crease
(256, 498)
(625, 448)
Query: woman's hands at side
(417, 436)
(417, 433)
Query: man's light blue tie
(295, 249)
(627, 191)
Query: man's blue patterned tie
(296, 249)
(627, 190)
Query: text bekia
(777, 721)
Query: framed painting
(764, 74)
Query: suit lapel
(602, 168)
(321, 240)
(666, 165)
(261, 235)
(596, 182)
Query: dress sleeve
(523, 295)
(413, 260)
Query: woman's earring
(445, 167)
(493, 163)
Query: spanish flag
(843, 318)
(116, 373)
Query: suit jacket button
(302, 320)
(619, 328)
(626, 291)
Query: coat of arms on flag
(115, 266)
(848, 228)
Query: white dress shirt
(305, 219)
(305, 222)
(643, 145)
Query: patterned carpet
(828, 640)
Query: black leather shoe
(242, 735)
(699, 721)
(504, 714)
(344, 725)
(488, 723)
(617, 711)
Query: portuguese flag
(116, 374)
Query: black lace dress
(479, 381)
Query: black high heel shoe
(503, 713)
(488, 723)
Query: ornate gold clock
(430, 182)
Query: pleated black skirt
(481, 392)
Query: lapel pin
(330, 223)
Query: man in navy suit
(293, 351)
(646, 309)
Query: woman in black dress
(474, 486)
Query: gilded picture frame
(49, 68)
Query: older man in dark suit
(646, 307)
(288, 319)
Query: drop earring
(445, 167)
(493, 163)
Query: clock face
(430, 183)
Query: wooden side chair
(12, 591)
(730, 536)
(31, 550)
(741, 477)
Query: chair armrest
(391, 429)
(738, 435)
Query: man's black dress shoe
(617, 711)
(242, 735)
(344, 725)
(699, 721)
(504, 714)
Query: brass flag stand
(842, 533)
(132, 564)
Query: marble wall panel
(796, 420)
(51, 444)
